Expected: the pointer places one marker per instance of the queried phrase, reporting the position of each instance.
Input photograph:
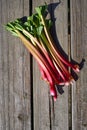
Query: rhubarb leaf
(39, 30)
(41, 10)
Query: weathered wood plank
(41, 100)
(79, 51)
(15, 107)
(27, 78)
(60, 121)
(40, 92)
(4, 106)
(15, 87)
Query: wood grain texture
(15, 107)
(60, 120)
(41, 100)
(40, 92)
(79, 51)
(25, 102)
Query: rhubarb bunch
(34, 31)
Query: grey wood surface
(79, 51)
(15, 103)
(61, 32)
(41, 95)
(25, 102)
(40, 92)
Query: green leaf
(14, 34)
(11, 30)
(36, 20)
(11, 24)
(18, 26)
(39, 30)
(8, 28)
(41, 9)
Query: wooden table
(25, 102)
